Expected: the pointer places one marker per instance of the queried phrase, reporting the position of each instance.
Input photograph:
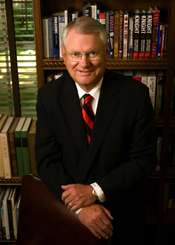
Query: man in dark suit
(97, 173)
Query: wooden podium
(44, 221)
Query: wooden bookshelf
(13, 181)
(165, 122)
(114, 64)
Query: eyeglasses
(77, 56)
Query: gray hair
(86, 25)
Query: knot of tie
(87, 99)
(88, 116)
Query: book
(155, 29)
(111, 34)
(125, 34)
(130, 36)
(12, 149)
(31, 147)
(2, 121)
(2, 231)
(4, 149)
(120, 35)
(26, 167)
(9, 210)
(48, 38)
(142, 34)
(11, 204)
(151, 83)
(136, 34)
(116, 33)
(148, 39)
(18, 145)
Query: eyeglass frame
(77, 55)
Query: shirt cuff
(99, 192)
(78, 211)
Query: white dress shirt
(95, 93)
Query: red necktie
(88, 116)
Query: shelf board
(7, 242)
(142, 64)
(11, 181)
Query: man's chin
(85, 81)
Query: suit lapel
(72, 111)
(108, 103)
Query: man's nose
(85, 61)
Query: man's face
(84, 56)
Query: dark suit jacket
(122, 152)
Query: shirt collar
(93, 92)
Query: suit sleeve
(48, 151)
(140, 151)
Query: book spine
(142, 34)
(5, 221)
(116, 34)
(111, 34)
(19, 153)
(25, 154)
(159, 93)
(61, 23)
(159, 39)
(6, 161)
(120, 34)
(130, 36)
(31, 146)
(12, 150)
(45, 29)
(101, 15)
(152, 88)
(125, 34)
(148, 44)
(156, 23)
(55, 37)
(136, 35)
(50, 36)
(10, 218)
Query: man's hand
(76, 196)
(98, 220)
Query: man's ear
(63, 51)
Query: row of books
(17, 146)
(138, 34)
(155, 82)
(9, 212)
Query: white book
(125, 34)
(152, 87)
(62, 20)
(45, 29)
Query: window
(26, 59)
(6, 96)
